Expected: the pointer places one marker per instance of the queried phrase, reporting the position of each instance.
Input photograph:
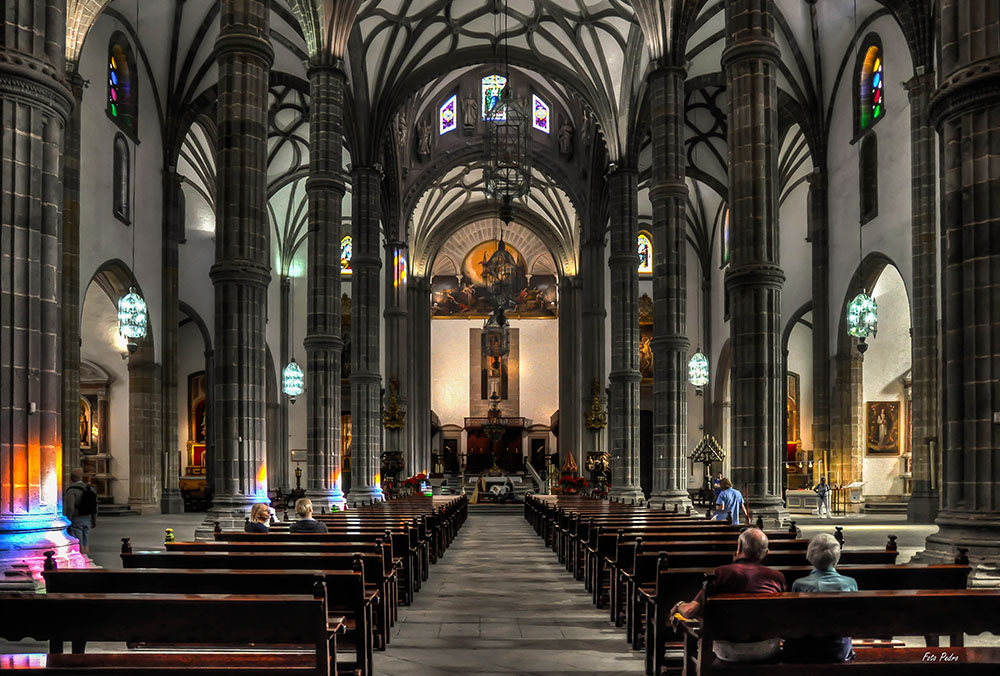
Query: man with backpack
(80, 507)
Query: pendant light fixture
(132, 312)
(292, 379)
(698, 365)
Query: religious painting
(345, 442)
(883, 427)
(86, 422)
(646, 352)
(197, 422)
(792, 429)
(464, 295)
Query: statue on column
(423, 139)
(470, 113)
(566, 132)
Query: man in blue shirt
(730, 503)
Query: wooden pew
(206, 620)
(747, 617)
(345, 592)
(377, 583)
(680, 584)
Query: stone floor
(500, 603)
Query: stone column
(323, 342)
(966, 110)
(623, 407)
(570, 413)
(366, 381)
(171, 501)
(35, 104)
(145, 441)
(397, 354)
(847, 427)
(71, 282)
(923, 504)
(592, 319)
(241, 272)
(418, 417)
(819, 235)
(668, 194)
(754, 277)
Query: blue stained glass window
(448, 115)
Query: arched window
(870, 89)
(123, 85)
(645, 244)
(447, 116)
(121, 181)
(725, 243)
(868, 172)
(539, 114)
(492, 86)
(346, 249)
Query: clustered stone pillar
(570, 413)
(923, 503)
(418, 417)
(668, 194)
(754, 277)
(847, 423)
(623, 407)
(71, 280)
(366, 380)
(145, 444)
(966, 110)
(325, 188)
(819, 235)
(35, 104)
(397, 345)
(592, 358)
(241, 272)
(173, 226)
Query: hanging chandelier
(132, 318)
(292, 380)
(496, 337)
(500, 275)
(862, 319)
(698, 369)
(494, 428)
(507, 144)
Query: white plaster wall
(800, 355)
(539, 368)
(889, 232)
(886, 362)
(101, 344)
(102, 236)
(795, 251)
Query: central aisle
(500, 603)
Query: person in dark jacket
(260, 517)
(306, 522)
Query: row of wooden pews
(639, 562)
(276, 602)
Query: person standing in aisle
(730, 503)
(823, 492)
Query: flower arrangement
(415, 482)
(571, 484)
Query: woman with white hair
(823, 553)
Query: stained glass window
(871, 102)
(645, 254)
(492, 86)
(539, 114)
(448, 117)
(122, 86)
(346, 249)
(726, 240)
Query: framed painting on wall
(883, 428)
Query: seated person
(260, 517)
(823, 553)
(746, 575)
(306, 522)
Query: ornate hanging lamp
(698, 370)
(132, 316)
(292, 380)
(862, 319)
(500, 275)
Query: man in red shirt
(746, 575)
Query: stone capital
(759, 47)
(323, 341)
(754, 274)
(968, 88)
(233, 42)
(236, 271)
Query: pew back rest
(372, 563)
(169, 618)
(749, 617)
